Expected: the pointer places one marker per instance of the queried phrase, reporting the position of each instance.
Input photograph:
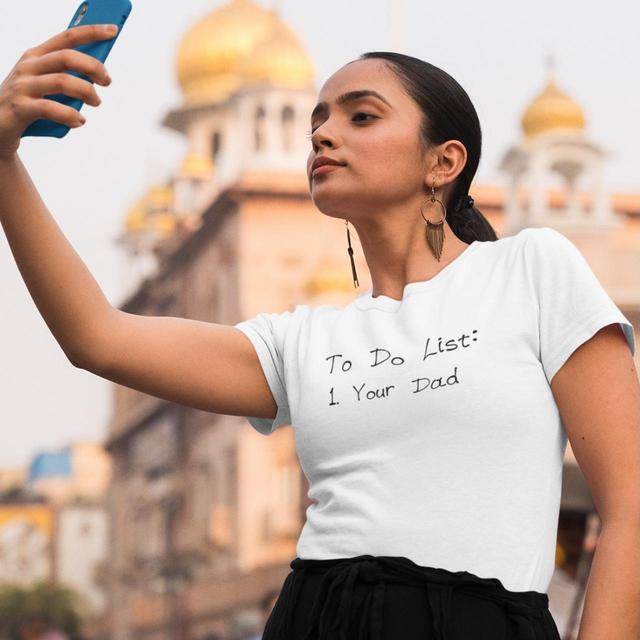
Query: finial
(550, 63)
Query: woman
(427, 411)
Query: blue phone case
(93, 12)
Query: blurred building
(26, 540)
(81, 470)
(11, 478)
(194, 546)
(54, 522)
(82, 550)
(206, 512)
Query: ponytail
(468, 223)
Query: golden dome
(196, 165)
(159, 198)
(280, 59)
(236, 43)
(209, 53)
(134, 220)
(552, 109)
(153, 211)
(330, 278)
(163, 222)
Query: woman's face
(378, 139)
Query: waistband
(331, 610)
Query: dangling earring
(350, 252)
(435, 230)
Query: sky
(496, 50)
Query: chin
(331, 211)
(343, 203)
(334, 202)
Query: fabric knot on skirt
(336, 616)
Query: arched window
(216, 143)
(288, 125)
(260, 128)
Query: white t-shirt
(426, 426)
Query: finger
(66, 84)
(74, 36)
(51, 110)
(68, 60)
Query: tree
(27, 612)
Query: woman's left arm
(598, 395)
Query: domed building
(231, 233)
(247, 87)
(555, 150)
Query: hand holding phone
(45, 90)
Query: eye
(310, 133)
(360, 113)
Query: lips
(324, 168)
(325, 160)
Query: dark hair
(448, 114)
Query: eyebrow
(350, 96)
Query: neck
(399, 253)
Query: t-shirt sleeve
(572, 303)
(267, 333)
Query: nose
(322, 137)
(321, 143)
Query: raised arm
(208, 366)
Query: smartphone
(92, 12)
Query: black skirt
(392, 598)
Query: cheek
(384, 167)
(387, 158)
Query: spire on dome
(552, 109)
(551, 62)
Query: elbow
(77, 361)
(84, 361)
(92, 350)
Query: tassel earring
(350, 252)
(435, 230)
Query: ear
(449, 160)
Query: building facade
(54, 522)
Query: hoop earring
(435, 230)
(350, 252)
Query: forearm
(612, 602)
(64, 291)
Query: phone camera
(81, 13)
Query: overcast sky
(496, 50)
